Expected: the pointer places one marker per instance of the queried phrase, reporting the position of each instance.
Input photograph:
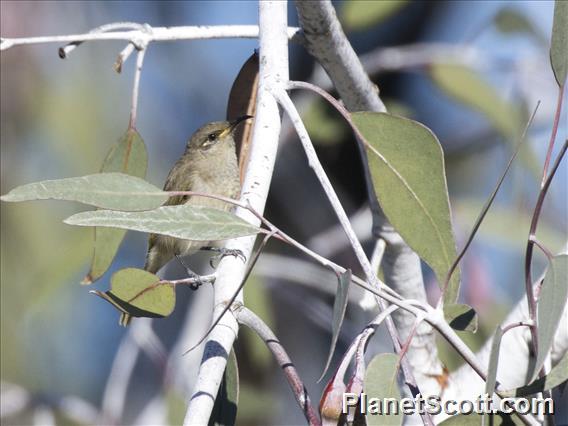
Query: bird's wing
(179, 179)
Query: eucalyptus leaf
(127, 156)
(189, 222)
(138, 293)
(242, 101)
(557, 375)
(224, 411)
(461, 317)
(551, 304)
(512, 21)
(493, 362)
(407, 167)
(116, 191)
(359, 15)
(468, 87)
(381, 383)
(339, 307)
(559, 43)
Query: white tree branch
(150, 34)
(273, 72)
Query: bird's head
(216, 134)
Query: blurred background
(471, 71)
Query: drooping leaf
(510, 21)
(558, 49)
(138, 293)
(461, 317)
(557, 375)
(242, 101)
(339, 307)
(359, 15)
(127, 156)
(381, 383)
(116, 191)
(407, 167)
(551, 304)
(189, 222)
(493, 362)
(224, 411)
(467, 87)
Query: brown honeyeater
(209, 165)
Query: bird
(209, 165)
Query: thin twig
(530, 244)
(553, 134)
(368, 302)
(485, 209)
(115, 26)
(541, 246)
(254, 322)
(142, 46)
(122, 57)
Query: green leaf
(466, 86)
(493, 362)
(551, 303)
(381, 383)
(359, 15)
(339, 307)
(115, 191)
(557, 375)
(407, 167)
(474, 419)
(225, 408)
(189, 222)
(461, 317)
(138, 293)
(559, 43)
(510, 21)
(128, 156)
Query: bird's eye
(211, 137)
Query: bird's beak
(233, 124)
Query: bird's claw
(198, 282)
(226, 252)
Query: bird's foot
(198, 282)
(222, 253)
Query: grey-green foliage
(407, 168)
(190, 222)
(116, 191)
